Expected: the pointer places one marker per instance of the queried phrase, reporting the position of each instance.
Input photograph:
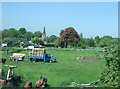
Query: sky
(89, 18)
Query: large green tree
(21, 31)
(5, 33)
(37, 34)
(28, 35)
(13, 33)
(91, 42)
(10, 33)
(105, 41)
(35, 39)
(68, 36)
(97, 39)
(51, 39)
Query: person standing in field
(6, 51)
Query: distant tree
(28, 35)
(52, 38)
(17, 43)
(0, 34)
(35, 39)
(68, 36)
(9, 43)
(91, 42)
(55, 42)
(46, 39)
(20, 36)
(22, 31)
(86, 42)
(114, 41)
(81, 36)
(37, 34)
(13, 33)
(9, 33)
(97, 39)
(105, 41)
(5, 33)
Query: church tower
(44, 34)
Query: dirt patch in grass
(89, 59)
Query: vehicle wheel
(13, 59)
(50, 61)
(31, 59)
(34, 60)
(16, 60)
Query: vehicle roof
(47, 53)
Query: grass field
(61, 73)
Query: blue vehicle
(46, 58)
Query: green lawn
(61, 73)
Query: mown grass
(61, 73)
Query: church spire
(44, 34)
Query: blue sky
(89, 18)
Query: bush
(83, 46)
(49, 45)
(40, 42)
(3, 49)
(12, 50)
(42, 47)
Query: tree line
(68, 38)
(21, 33)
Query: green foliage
(110, 75)
(49, 45)
(55, 42)
(97, 39)
(46, 39)
(17, 43)
(9, 42)
(28, 35)
(13, 33)
(10, 33)
(12, 49)
(51, 39)
(22, 31)
(35, 39)
(86, 42)
(91, 42)
(37, 34)
(81, 36)
(5, 33)
(105, 41)
(114, 41)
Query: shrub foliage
(111, 72)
